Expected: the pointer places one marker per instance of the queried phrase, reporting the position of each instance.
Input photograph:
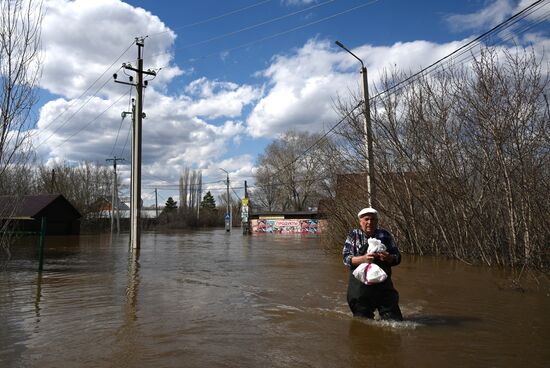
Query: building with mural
(302, 222)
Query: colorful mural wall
(295, 226)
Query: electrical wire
(456, 53)
(525, 12)
(121, 121)
(244, 45)
(73, 102)
(291, 30)
(93, 120)
(466, 47)
(269, 21)
(70, 117)
(213, 18)
(130, 109)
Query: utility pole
(245, 211)
(157, 204)
(114, 200)
(52, 189)
(229, 224)
(371, 186)
(135, 205)
(132, 115)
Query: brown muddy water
(212, 299)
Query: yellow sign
(245, 201)
(272, 217)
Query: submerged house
(26, 212)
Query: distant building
(102, 208)
(26, 212)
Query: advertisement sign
(298, 226)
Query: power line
(93, 120)
(126, 142)
(525, 12)
(468, 46)
(73, 102)
(269, 21)
(121, 121)
(275, 34)
(207, 20)
(176, 186)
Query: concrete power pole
(135, 205)
(157, 204)
(368, 131)
(229, 206)
(114, 201)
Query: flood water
(212, 299)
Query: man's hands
(385, 257)
(370, 257)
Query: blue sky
(234, 75)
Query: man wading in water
(364, 299)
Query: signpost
(227, 218)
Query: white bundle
(369, 273)
(375, 246)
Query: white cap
(364, 211)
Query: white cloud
(177, 131)
(217, 99)
(302, 86)
(494, 13)
(81, 39)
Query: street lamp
(228, 225)
(368, 131)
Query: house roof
(29, 206)
(101, 202)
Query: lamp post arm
(340, 44)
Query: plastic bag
(369, 273)
(375, 246)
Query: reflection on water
(204, 298)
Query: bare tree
(462, 161)
(20, 27)
(267, 191)
(81, 184)
(291, 172)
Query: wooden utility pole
(52, 185)
(157, 204)
(135, 205)
(114, 200)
